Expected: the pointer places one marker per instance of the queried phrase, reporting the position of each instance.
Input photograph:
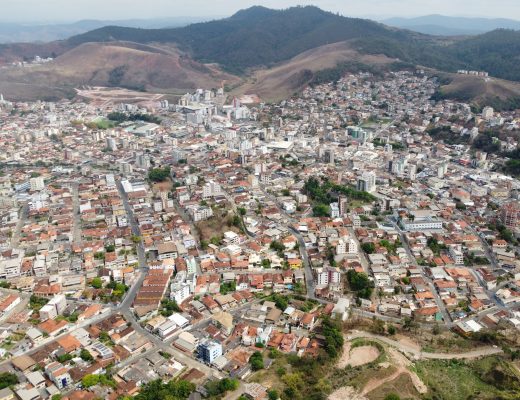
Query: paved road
(362, 256)
(194, 231)
(235, 210)
(15, 239)
(418, 354)
(75, 213)
(141, 255)
(309, 276)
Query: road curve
(418, 354)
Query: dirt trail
(402, 363)
(412, 351)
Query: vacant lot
(452, 380)
(358, 356)
(346, 392)
(402, 386)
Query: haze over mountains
(46, 32)
(450, 26)
(280, 50)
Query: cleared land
(346, 392)
(281, 81)
(152, 68)
(478, 90)
(358, 355)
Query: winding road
(413, 352)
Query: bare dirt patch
(357, 356)
(363, 355)
(347, 392)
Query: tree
(321, 210)
(172, 390)
(159, 174)
(277, 246)
(332, 332)
(168, 307)
(97, 283)
(360, 283)
(377, 326)
(90, 380)
(228, 287)
(7, 379)
(280, 300)
(110, 248)
(391, 330)
(368, 248)
(85, 355)
(392, 396)
(272, 394)
(218, 388)
(257, 361)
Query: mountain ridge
(436, 24)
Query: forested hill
(257, 36)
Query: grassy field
(454, 380)
(402, 386)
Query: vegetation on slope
(262, 37)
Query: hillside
(130, 65)
(283, 80)
(260, 37)
(498, 93)
(255, 37)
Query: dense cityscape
(195, 246)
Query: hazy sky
(71, 10)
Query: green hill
(255, 37)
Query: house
(6, 394)
(167, 250)
(69, 343)
(23, 363)
(308, 320)
(58, 374)
(36, 379)
(224, 321)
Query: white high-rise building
(211, 189)
(412, 172)
(487, 113)
(37, 183)
(367, 182)
(328, 276)
(111, 144)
